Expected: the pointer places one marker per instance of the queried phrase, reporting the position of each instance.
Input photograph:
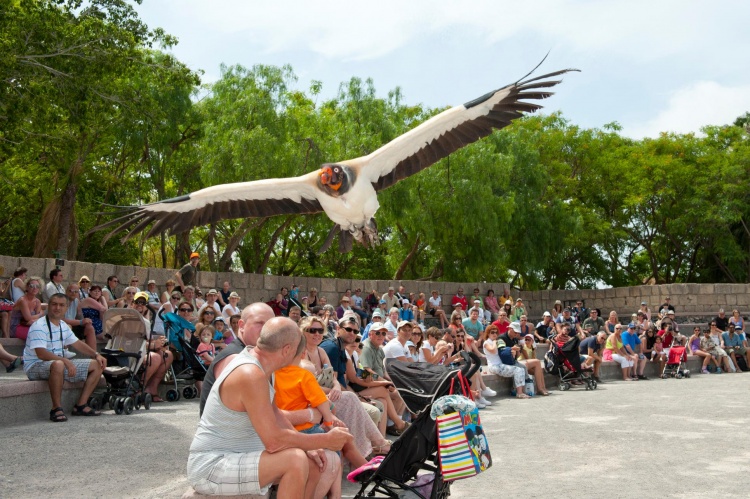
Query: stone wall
(691, 298)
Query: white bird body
(346, 191)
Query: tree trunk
(182, 249)
(261, 269)
(210, 252)
(412, 253)
(225, 261)
(67, 205)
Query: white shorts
(623, 361)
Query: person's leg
(641, 365)
(597, 366)
(5, 324)
(56, 372)
(326, 482)
(289, 468)
(5, 357)
(94, 375)
(157, 368)
(381, 393)
(534, 366)
(89, 336)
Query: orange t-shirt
(296, 389)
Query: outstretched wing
(262, 198)
(453, 129)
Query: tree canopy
(95, 112)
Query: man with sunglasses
(110, 291)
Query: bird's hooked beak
(332, 176)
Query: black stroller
(419, 384)
(565, 362)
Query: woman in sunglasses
(126, 299)
(27, 309)
(367, 437)
(170, 306)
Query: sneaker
(704, 371)
(484, 401)
(718, 370)
(641, 376)
(479, 404)
(488, 392)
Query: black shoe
(640, 376)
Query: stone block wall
(690, 298)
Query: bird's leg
(358, 235)
(371, 233)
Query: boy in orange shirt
(296, 388)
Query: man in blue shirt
(632, 344)
(733, 344)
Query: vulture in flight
(345, 190)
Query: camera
(59, 262)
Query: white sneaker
(488, 392)
(479, 404)
(485, 401)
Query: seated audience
(591, 349)
(84, 287)
(436, 308)
(169, 292)
(614, 349)
(491, 306)
(511, 354)
(497, 367)
(11, 362)
(54, 285)
(429, 351)
(718, 355)
(82, 327)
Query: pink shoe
(371, 465)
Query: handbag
(462, 445)
(325, 377)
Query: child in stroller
(564, 360)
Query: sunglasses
(351, 329)
(175, 297)
(209, 313)
(34, 286)
(85, 282)
(527, 339)
(185, 309)
(140, 302)
(379, 334)
(130, 292)
(314, 330)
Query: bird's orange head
(332, 176)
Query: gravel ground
(673, 438)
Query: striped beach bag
(462, 445)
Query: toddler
(206, 350)
(658, 352)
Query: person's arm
(301, 416)
(246, 389)
(490, 346)
(178, 279)
(594, 354)
(82, 347)
(28, 315)
(434, 358)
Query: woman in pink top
(490, 303)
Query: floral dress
(96, 319)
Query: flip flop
(57, 415)
(156, 398)
(522, 396)
(18, 361)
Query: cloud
(694, 106)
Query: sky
(652, 66)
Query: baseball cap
(347, 319)
(458, 304)
(378, 326)
(644, 303)
(515, 326)
(194, 254)
(477, 301)
(631, 325)
(671, 312)
(140, 294)
(151, 281)
(212, 292)
(377, 313)
(403, 323)
(409, 344)
(234, 294)
(383, 302)
(546, 314)
(508, 302)
(405, 301)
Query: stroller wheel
(564, 386)
(195, 391)
(95, 403)
(187, 392)
(173, 395)
(112, 402)
(687, 374)
(678, 375)
(593, 384)
(147, 399)
(664, 376)
(119, 405)
(128, 406)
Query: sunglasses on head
(315, 330)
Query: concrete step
(14, 346)
(609, 372)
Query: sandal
(18, 361)
(80, 410)
(381, 450)
(156, 398)
(57, 415)
(544, 393)
(522, 396)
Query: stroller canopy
(420, 383)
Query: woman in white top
(429, 352)
(17, 286)
(436, 308)
(231, 308)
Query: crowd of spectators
(332, 386)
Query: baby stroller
(420, 384)
(565, 362)
(189, 366)
(125, 352)
(676, 366)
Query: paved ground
(665, 438)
